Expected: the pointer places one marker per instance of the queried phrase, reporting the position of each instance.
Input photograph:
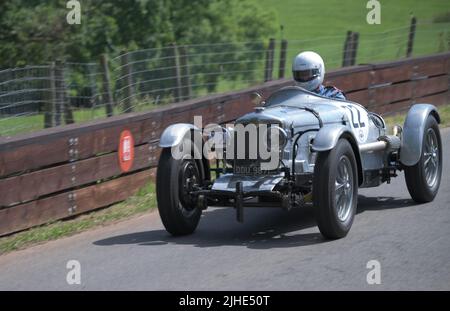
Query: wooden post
(346, 52)
(108, 99)
(62, 94)
(93, 85)
(68, 114)
(50, 106)
(186, 79)
(60, 89)
(412, 33)
(354, 48)
(282, 65)
(269, 60)
(176, 72)
(127, 74)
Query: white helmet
(308, 70)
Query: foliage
(35, 32)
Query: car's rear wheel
(424, 178)
(335, 190)
(175, 180)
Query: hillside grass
(306, 20)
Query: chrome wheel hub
(344, 189)
(431, 158)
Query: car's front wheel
(176, 178)
(335, 190)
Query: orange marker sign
(126, 151)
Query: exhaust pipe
(385, 142)
(375, 146)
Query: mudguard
(328, 136)
(174, 134)
(412, 138)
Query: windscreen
(288, 96)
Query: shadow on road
(382, 203)
(263, 228)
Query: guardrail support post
(412, 33)
(108, 99)
(283, 53)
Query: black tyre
(424, 178)
(335, 190)
(174, 181)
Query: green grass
(141, 202)
(398, 119)
(310, 19)
(10, 126)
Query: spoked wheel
(431, 158)
(335, 190)
(344, 189)
(176, 179)
(424, 178)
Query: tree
(33, 32)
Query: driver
(308, 71)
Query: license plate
(250, 170)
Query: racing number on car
(360, 123)
(359, 120)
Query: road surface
(272, 250)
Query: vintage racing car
(327, 149)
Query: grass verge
(143, 201)
(444, 112)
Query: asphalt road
(272, 250)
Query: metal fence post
(127, 73)
(412, 32)
(283, 53)
(108, 99)
(185, 79)
(269, 60)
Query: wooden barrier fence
(64, 171)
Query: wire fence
(35, 97)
